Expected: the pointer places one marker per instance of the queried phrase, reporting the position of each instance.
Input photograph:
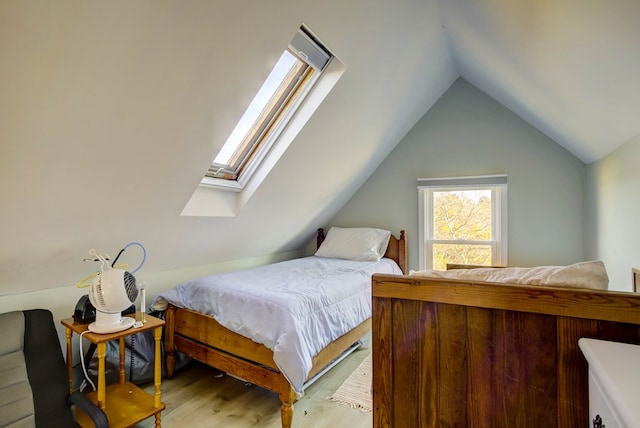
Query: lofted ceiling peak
(570, 68)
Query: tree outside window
(462, 223)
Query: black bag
(138, 360)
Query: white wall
(613, 204)
(468, 133)
(61, 301)
(111, 112)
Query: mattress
(295, 307)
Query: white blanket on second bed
(591, 274)
(294, 308)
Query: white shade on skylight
(277, 76)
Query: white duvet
(294, 308)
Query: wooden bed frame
(472, 354)
(202, 338)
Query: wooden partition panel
(453, 354)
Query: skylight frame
(312, 58)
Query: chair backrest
(16, 399)
(34, 388)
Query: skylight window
(284, 90)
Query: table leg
(157, 370)
(69, 333)
(102, 387)
(122, 354)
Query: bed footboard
(203, 339)
(451, 353)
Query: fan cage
(130, 286)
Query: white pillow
(355, 243)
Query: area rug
(356, 390)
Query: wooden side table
(127, 404)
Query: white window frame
(497, 184)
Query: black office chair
(34, 387)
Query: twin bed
(278, 326)
(470, 349)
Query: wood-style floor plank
(198, 397)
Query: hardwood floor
(196, 397)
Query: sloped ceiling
(110, 112)
(571, 68)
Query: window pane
(468, 254)
(277, 77)
(462, 214)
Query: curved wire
(84, 368)
(144, 255)
(87, 280)
(96, 257)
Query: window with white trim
(462, 221)
(282, 93)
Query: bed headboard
(451, 266)
(396, 250)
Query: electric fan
(111, 292)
